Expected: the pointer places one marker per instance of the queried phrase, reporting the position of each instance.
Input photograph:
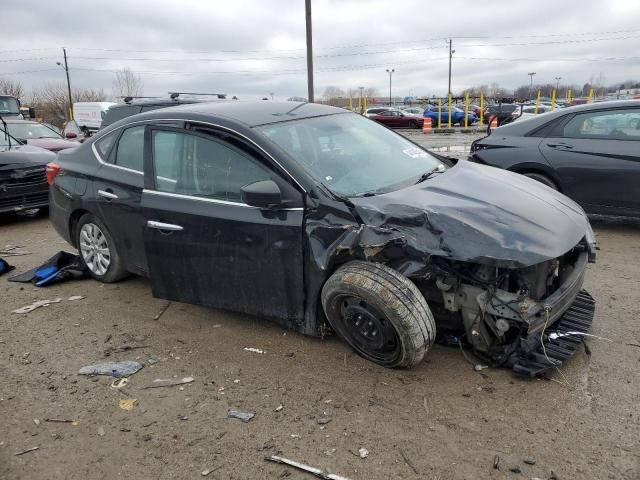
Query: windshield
(8, 105)
(29, 131)
(351, 155)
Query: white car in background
(529, 111)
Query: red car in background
(38, 135)
(395, 118)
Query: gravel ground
(315, 401)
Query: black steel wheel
(380, 313)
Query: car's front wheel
(380, 313)
(98, 251)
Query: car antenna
(7, 137)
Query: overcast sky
(251, 48)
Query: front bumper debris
(530, 359)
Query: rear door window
(103, 145)
(621, 124)
(202, 166)
(129, 153)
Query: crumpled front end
(518, 317)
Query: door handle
(560, 146)
(168, 227)
(109, 195)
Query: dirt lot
(440, 421)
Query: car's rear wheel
(380, 313)
(539, 177)
(413, 124)
(98, 251)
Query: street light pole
(66, 69)
(451, 52)
(307, 8)
(558, 83)
(390, 72)
(531, 74)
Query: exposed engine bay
(495, 310)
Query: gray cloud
(187, 45)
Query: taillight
(53, 169)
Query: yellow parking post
(365, 104)
(569, 95)
(481, 109)
(360, 105)
(350, 104)
(553, 99)
(537, 102)
(439, 113)
(590, 95)
(466, 110)
(449, 116)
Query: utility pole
(66, 69)
(531, 74)
(558, 83)
(390, 72)
(307, 7)
(451, 52)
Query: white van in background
(90, 114)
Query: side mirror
(70, 135)
(263, 194)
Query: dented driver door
(203, 244)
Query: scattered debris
(479, 367)
(363, 452)
(236, 381)
(204, 473)
(254, 350)
(556, 335)
(324, 419)
(529, 461)
(169, 382)
(12, 251)
(101, 431)
(122, 348)
(32, 449)
(244, 416)
(301, 466)
(108, 338)
(5, 267)
(633, 345)
(38, 304)
(62, 266)
(409, 462)
(120, 383)
(269, 444)
(279, 408)
(127, 403)
(36, 421)
(152, 360)
(515, 470)
(114, 369)
(162, 310)
(59, 420)
(496, 462)
(76, 297)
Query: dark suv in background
(133, 106)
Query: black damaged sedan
(323, 220)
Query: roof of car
(261, 112)
(18, 120)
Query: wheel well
(73, 223)
(551, 178)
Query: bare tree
(11, 87)
(127, 84)
(51, 100)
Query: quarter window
(129, 153)
(103, 145)
(606, 125)
(203, 167)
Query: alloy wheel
(94, 249)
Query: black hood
(24, 156)
(482, 215)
